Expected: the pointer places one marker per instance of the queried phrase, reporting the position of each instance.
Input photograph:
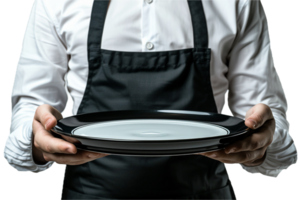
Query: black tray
(236, 127)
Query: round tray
(152, 132)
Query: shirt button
(149, 1)
(149, 45)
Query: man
(148, 54)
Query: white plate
(150, 130)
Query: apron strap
(97, 23)
(199, 24)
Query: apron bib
(175, 80)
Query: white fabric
(55, 46)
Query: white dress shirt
(54, 57)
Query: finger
(47, 115)
(44, 141)
(203, 153)
(76, 159)
(241, 157)
(72, 140)
(211, 153)
(263, 137)
(250, 158)
(258, 115)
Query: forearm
(253, 79)
(39, 80)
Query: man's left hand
(250, 151)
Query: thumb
(258, 115)
(47, 116)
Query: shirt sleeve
(39, 80)
(253, 79)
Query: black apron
(175, 80)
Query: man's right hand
(46, 148)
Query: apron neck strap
(199, 24)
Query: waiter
(147, 54)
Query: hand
(48, 148)
(251, 150)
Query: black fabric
(220, 193)
(178, 79)
(199, 24)
(162, 77)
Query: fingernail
(213, 155)
(231, 150)
(47, 124)
(253, 122)
(70, 151)
(94, 155)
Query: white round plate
(150, 130)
